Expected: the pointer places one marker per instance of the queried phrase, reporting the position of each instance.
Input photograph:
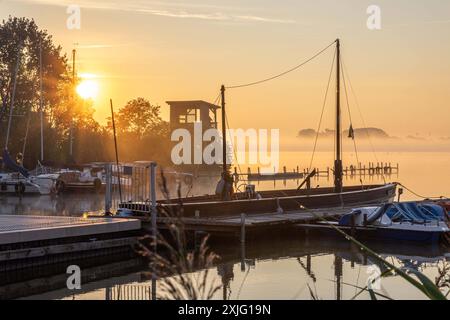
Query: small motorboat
(16, 183)
(70, 181)
(412, 221)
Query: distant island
(361, 133)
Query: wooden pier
(36, 240)
(371, 169)
(236, 225)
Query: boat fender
(20, 188)
(279, 208)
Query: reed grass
(423, 283)
(184, 273)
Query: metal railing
(129, 292)
(129, 184)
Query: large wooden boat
(281, 201)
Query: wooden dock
(250, 223)
(370, 169)
(37, 240)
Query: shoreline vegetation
(142, 132)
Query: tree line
(142, 134)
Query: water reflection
(62, 205)
(275, 267)
(288, 267)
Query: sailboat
(227, 203)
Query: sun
(88, 89)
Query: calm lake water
(288, 267)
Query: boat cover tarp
(12, 165)
(416, 212)
(398, 212)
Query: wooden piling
(243, 227)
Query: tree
(21, 37)
(23, 34)
(139, 118)
(142, 134)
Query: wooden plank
(18, 229)
(11, 255)
(260, 220)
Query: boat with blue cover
(411, 221)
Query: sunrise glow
(88, 89)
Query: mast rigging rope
(350, 119)
(321, 115)
(283, 73)
(361, 116)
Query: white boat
(15, 183)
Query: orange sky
(169, 50)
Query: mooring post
(154, 226)
(243, 241)
(242, 227)
(108, 197)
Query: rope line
(283, 73)
(361, 116)
(420, 196)
(321, 115)
(350, 118)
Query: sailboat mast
(41, 101)
(338, 159)
(224, 133)
(74, 93)
(13, 96)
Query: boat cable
(233, 145)
(322, 113)
(283, 73)
(351, 134)
(420, 196)
(361, 115)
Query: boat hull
(274, 201)
(405, 235)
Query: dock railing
(129, 184)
